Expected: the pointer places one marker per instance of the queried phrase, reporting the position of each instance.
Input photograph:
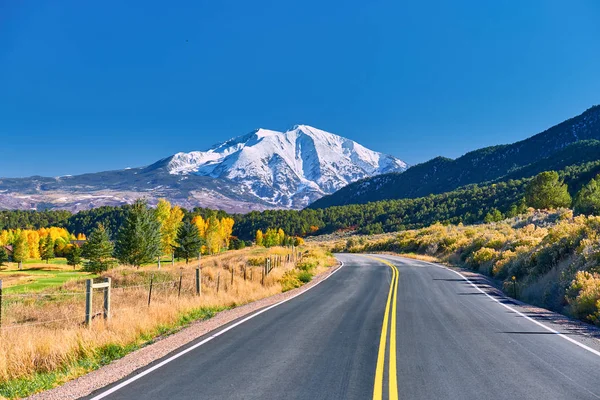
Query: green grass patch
(38, 382)
(46, 279)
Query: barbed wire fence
(79, 308)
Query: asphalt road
(443, 337)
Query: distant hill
(550, 149)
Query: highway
(381, 327)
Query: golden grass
(28, 345)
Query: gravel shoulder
(145, 356)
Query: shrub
(583, 296)
(304, 276)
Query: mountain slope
(443, 174)
(261, 170)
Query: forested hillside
(548, 150)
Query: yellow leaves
(216, 233)
(170, 219)
(259, 238)
(201, 224)
(33, 243)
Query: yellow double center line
(390, 308)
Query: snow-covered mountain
(263, 169)
(286, 169)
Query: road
(444, 338)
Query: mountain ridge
(441, 174)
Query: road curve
(451, 342)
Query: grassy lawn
(38, 276)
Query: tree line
(470, 204)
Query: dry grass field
(44, 341)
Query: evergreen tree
(587, 200)
(3, 256)
(493, 216)
(546, 190)
(98, 250)
(20, 250)
(47, 249)
(139, 239)
(74, 256)
(188, 242)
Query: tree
(259, 238)
(546, 190)
(47, 249)
(170, 219)
(74, 256)
(188, 242)
(213, 235)
(3, 256)
(139, 239)
(587, 201)
(493, 216)
(98, 250)
(20, 250)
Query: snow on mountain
(286, 169)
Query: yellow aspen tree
(213, 236)
(33, 244)
(201, 224)
(280, 236)
(226, 230)
(259, 238)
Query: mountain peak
(286, 169)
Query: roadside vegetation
(43, 338)
(552, 255)
(548, 256)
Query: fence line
(189, 281)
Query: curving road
(444, 338)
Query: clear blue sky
(89, 86)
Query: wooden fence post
(218, 280)
(198, 284)
(180, 279)
(232, 276)
(244, 275)
(150, 291)
(88, 301)
(107, 298)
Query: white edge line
(557, 333)
(208, 339)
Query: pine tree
(3, 256)
(47, 249)
(20, 250)
(98, 249)
(139, 239)
(188, 241)
(74, 256)
(587, 200)
(546, 190)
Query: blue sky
(90, 86)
